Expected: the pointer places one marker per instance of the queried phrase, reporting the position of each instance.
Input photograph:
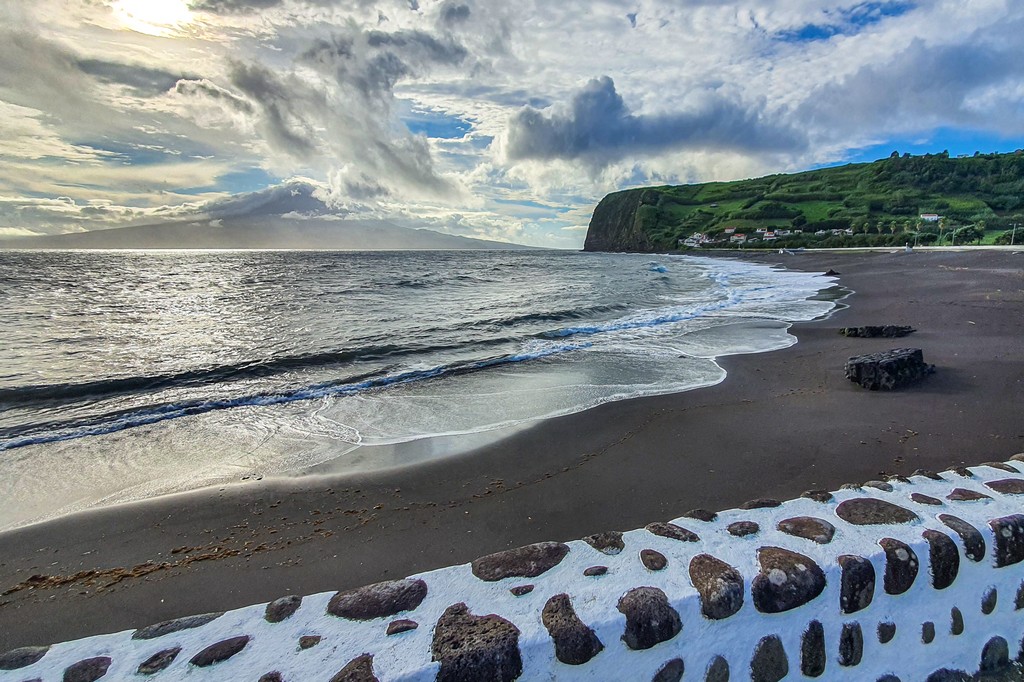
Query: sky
(480, 118)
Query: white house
(930, 217)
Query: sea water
(129, 374)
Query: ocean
(129, 374)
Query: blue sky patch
(847, 21)
(437, 125)
(956, 141)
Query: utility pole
(1013, 234)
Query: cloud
(598, 127)
(144, 81)
(922, 86)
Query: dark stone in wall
(719, 585)
(672, 531)
(650, 619)
(471, 648)
(812, 650)
(886, 631)
(901, 566)
(176, 625)
(89, 670)
(359, 669)
(670, 672)
(575, 643)
(851, 645)
(282, 609)
(868, 511)
(974, 541)
(524, 562)
(606, 543)
(158, 661)
(769, 663)
(1009, 537)
(221, 651)
(787, 580)
(809, 528)
(858, 583)
(944, 558)
(381, 600)
(23, 657)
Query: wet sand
(781, 423)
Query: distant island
(926, 200)
(260, 232)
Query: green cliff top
(890, 201)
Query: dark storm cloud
(144, 81)
(599, 128)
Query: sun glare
(153, 17)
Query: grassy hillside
(979, 197)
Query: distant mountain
(258, 231)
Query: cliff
(929, 199)
(618, 223)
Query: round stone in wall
(719, 585)
(650, 619)
(868, 511)
(787, 580)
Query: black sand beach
(781, 423)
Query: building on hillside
(930, 217)
(738, 238)
(730, 230)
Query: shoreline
(781, 422)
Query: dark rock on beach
(888, 370)
(787, 580)
(524, 562)
(378, 601)
(473, 648)
(719, 585)
(650, 619)
(575, 643)
(888, 331)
